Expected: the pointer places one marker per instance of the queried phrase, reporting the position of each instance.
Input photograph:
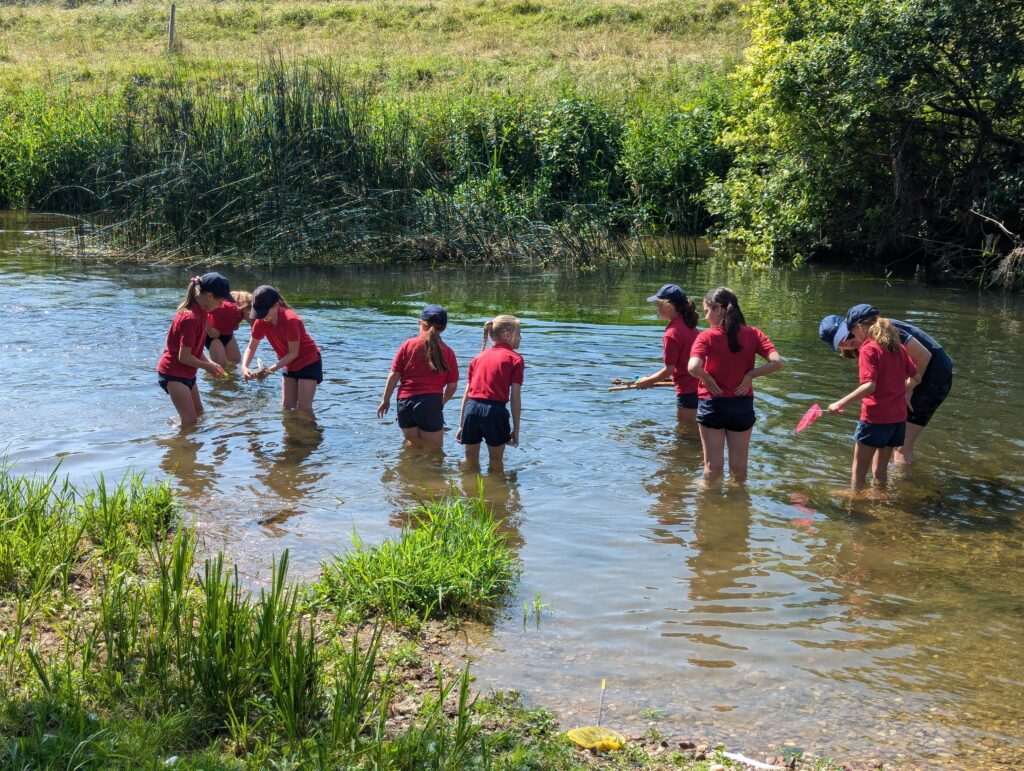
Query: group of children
(712, 369)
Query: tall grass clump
(450, 561)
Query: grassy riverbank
(119, 651)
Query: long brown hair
(498, 327)
(882, 331)
(430, 344)
(733, 320)
(191, 295)
(687, 310)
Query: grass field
(599, 46)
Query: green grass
(451, 561)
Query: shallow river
(778, 614)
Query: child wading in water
(183, 355)
(681, 315)
(495, 377)
(722, 359)
(429, 375)
(297, 354)
(887, 373)
(220, 331)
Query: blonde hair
(430, 344)
(190, 295)
(244, 302)
(884, 333)
(499, 327)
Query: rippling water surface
(776, 614)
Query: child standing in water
(183, 354)
(681, 314)
(887, 373)
(495, 377)
(220, 332)
(429, 375)
(722, 359)
(298, 357)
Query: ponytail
(733, 320)
(689, 314)
(488, 328)
(430, 345)
(191, 295)
(499, 327)
(885, 334)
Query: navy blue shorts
(731, 413)
(225, 339)
(880, 435)
(487, 421)
(163, 380)
(314, 371)
(687, 401)
(422, 411)
(926, 399)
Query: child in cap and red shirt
(495, 377)
(887, 373)
(429, 375)
(220, 332)
(722, 359)
(297, 355)
(183, 354)
(681, 315)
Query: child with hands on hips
(183, 354)
(887, 374)
(429, 374)
(495, 377)
(298, 356)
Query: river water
(780, 614)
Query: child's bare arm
(462, 412)
(389, 388)
(865, 389)
(657, 377)
(516, 397)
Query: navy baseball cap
(669, 292)
(859, 313)
(263, 299)
(833, 330)
(216, 284)
(435, 314)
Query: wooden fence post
(170, 33)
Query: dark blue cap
(216, 284)
(435, 314)
(263, 299)
(833, 330)
(669, 292)
(859, 313)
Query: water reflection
(285, 469)
(180, 461)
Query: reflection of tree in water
(286, 471)
(181, 462)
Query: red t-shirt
(188, 330)
(889, 370)
(288, 327)
(726, 367)
(412, 365)
(492, 373)
(676, 344)
(226, 319)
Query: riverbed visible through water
(778, 614)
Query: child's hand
(643, 383)
(262, 374)
(383, 407)
(712, 385)
(835, 408)
(212, 331)
(458, 435)
(247, 373)
(514, 439)
(216, 370)
(744, 387)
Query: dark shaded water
(779, 612)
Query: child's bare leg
(217, 352)
(686, 416)
(305, 391)
(880, 467)
(713, 441)
(495, 457)
(905, 454)
(472, 455)
(231, 351)
(289, 393)
(184, 402)
(739, 450)
(412, 436)
(432, 440)
(862, 455)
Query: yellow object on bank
(595, 737)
